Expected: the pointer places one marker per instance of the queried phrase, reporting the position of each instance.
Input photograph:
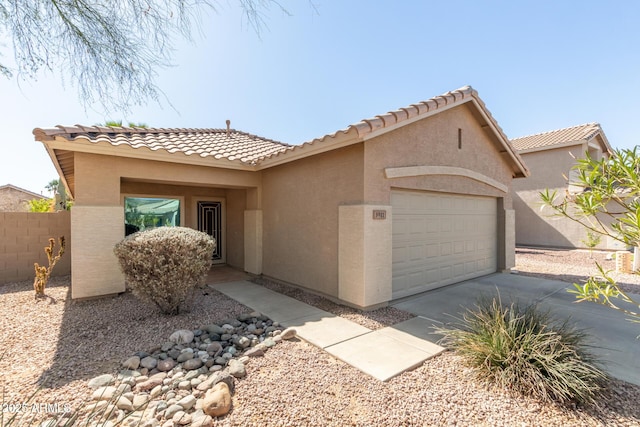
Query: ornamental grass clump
(528, 351)
(163, 265)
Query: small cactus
(43, 273)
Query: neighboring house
(16, 199)
(550, 157)
(407, 201)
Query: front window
(142, 213)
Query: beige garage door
(440, 238)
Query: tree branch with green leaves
(610, 188)
(110, 51)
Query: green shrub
(526, 350)
(164, 264)
(40, 205)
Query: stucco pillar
(364, 254)
(506, 237)
(253, 241)
(94, 232)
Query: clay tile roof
(215, 143)
(564, 136)
(368, 126)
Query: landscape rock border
(187, 380)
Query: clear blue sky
(538, 66)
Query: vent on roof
(228, 127)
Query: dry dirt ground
(57, 345)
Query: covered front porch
(138, 194)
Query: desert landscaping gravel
(573, 266)
(60, 344)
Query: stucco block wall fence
(23, 236)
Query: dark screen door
(210, 222)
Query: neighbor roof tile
(560, 136)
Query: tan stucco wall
(100, 183)
(434, 142)
(365, 255)
(95, 230)
(253, 241)
(98, 177)
(23, 237)
(535, 227)
(300, 216)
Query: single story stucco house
(394, 205)
(550, 157)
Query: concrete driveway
(612, 333)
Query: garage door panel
(439, 239)
(433, 250)
(458, 247)
(445, 249)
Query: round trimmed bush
(528, 351)
(163, 265)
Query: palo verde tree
(609, 204)
(110, 51)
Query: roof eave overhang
(107, 149)
(606, 147)
(56, 164)
(520, 170)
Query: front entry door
(210, 222)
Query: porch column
(506, 237)
(94, 232)
(253, 241)
(364, 255)
(97, 224)
(510, 239)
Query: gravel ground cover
(375, 319)
(572, 266)
(296, 384)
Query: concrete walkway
(412, 341)
(613, 336)
(366, 350)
